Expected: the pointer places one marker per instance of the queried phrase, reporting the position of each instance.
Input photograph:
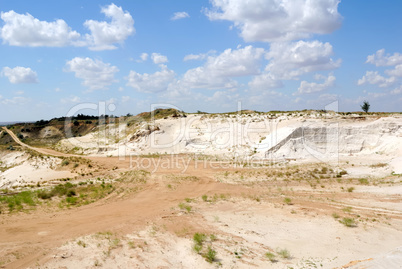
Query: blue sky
(60, 56)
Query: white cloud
(179, 15)
(201, 56)
(218, 71)
(16, 100)
(397, 90)
(158, 58)
(25, 30)
(265, 81)
(144, 56)
(20, 74)
(382, 59)
(156, 82)
(372, 77)
(396, 72)
(104, 35)
(313, 87)
(95, 73)
(125, 99)
(278, 20)
(288, 61)
(71, 99)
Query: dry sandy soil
(292, 210)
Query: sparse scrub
(271, 257)
(284, 253)
(363, 181)
(347, 209)
(186, 207)
(199, 238)
(378, 165)
(348, 222)
(205, 198)
(82, 244)
(287, 201)
(335, 215)
(210, 255)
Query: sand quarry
(211, 191)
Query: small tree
(366, 106)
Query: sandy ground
(244, 213)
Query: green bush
(271, 256)
(210, 255)
(287, 201)
(199, 238)
(348, 222)
(284, 253)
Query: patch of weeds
(363, 181)
(348, 222)
(205, 198)
(169, 186)
(347, 209)
(350, 189)
(82, 244)
(210, 256)
(197, 248)
(212, 237)
(199, 238)
(378, 165)
(131, 244)
(134, 176)
(115, 243)
(72, 200)
(284, 253)
(186, 207)
(188, 200)
(287, 201)
(65, 163)
(271, 257)
(335, 215)
(18, 200)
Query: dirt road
(40, 150)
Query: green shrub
(197, 248)
(72, 200)
(348, 222)
(210, 255)
(284, 253)
(185, 207)
(363, 181)
(335, 215)
(205, 198)
(44, 194)
(271, 256)
(199, 238)
(287, 201)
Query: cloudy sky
(62, 56)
